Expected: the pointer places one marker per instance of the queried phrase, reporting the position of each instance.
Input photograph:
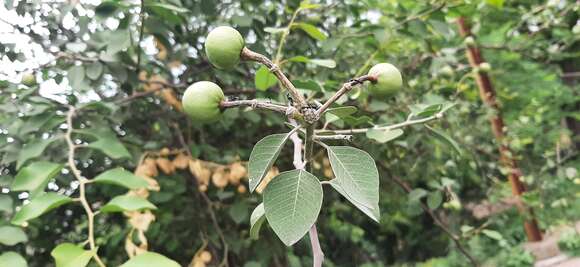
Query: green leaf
(329, 63)
(307, 85)
(383, 136)
(75, 76)
(434, 199)
(445, 138)
(429, 110)
(274, 30)
(106, 8)
(356, 173)
(10, 235)
(150, 259)
(292, 202)
(71, 255)
(38, 206)
(492, 234)
(108, 143)
(12, 259)
(264, 79)
(311, 30)
(256, 220)
(35, 176)
(373, 212)
(118, 41)
(120, 176)
(94, 70)
(308, 5)
(263, 156)
(417, 194)
(127, 203)
(168, 7)
(495, 3)
(32, 150)
(6, 203)
(342, 111)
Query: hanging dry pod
(165, 165)
(181, 161)
(237, 172)
(219, 177)
(201, 173)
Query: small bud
(469, 41)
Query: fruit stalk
(346, 87)
(250, 55)
(254, 103)
(488, 95)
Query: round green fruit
(223, 47)
(201, 101)
(29, 79)
(389, 80)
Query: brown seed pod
(237, 172)
(205, 256)
(202, 187)
(165, 165)
(219, 177)
(164, 151)
(181, 161)
(201, 173)
(242, 189)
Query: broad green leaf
(38, 206)
(308, 5)
(274, 30)
(492, 234)
(383, 136)
(307, 85)
(495, 3)
(150, 259)
(429, 110)
(10, 235)
(127, 203)
(264, 79)
(417, 194)
(373, 212)
(167, 7)
(5, 203)
(107, 8)
(329, 63)
(35, 176)
(292, 202)
(342, 111)
(118, 41)
(71, 255)
(311, 30)
(445, 138)
(94, 70)
(434, 199)
(356, 173)
(302, 59)
(12, 259)
(263, 156)
(75, 76)
(32, 150)
(256, 220)
(120, 176)
(110, 145)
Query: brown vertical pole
(487, 94)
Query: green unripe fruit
(454, 204)
(29, 79)
(485, 67)
(389, 79)
(201, 101)
(223, 47)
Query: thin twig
(435, 218)
(406, 123)
(250, 55)
(254, 103)
(278, 56)
(346, 87)
(141, 30)
(82, 182)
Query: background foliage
(94, 62)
